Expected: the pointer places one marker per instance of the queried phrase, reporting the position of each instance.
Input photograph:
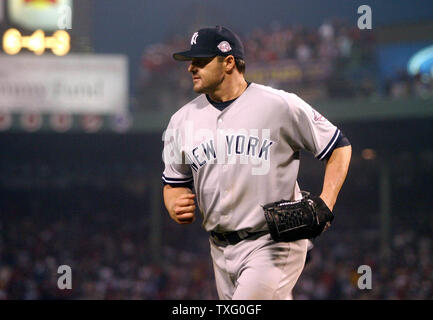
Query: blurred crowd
(402, 85)
(334, 269)
(106, 244)
(331, 40)
(349, 51)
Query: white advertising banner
(77, 83)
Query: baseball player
(235, 148)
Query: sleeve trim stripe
(176, 180)
(330, 145)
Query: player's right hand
(184, 207)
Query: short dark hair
(240, 65)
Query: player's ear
(229, 63)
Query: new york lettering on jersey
(240, 144)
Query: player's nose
(191, 68)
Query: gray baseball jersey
(244, 156)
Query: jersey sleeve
(177, 172)
(342, 141)
(307, 129)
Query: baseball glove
(294, 220)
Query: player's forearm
(171, 194)
(335, 174)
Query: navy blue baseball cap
(211, 42)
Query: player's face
(207, 74)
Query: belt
(236, 236)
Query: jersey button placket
(225, 191)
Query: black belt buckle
(229, 237)
(232, 237)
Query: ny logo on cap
(194, 38)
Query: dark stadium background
(93, 201)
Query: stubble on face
(207, 74)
